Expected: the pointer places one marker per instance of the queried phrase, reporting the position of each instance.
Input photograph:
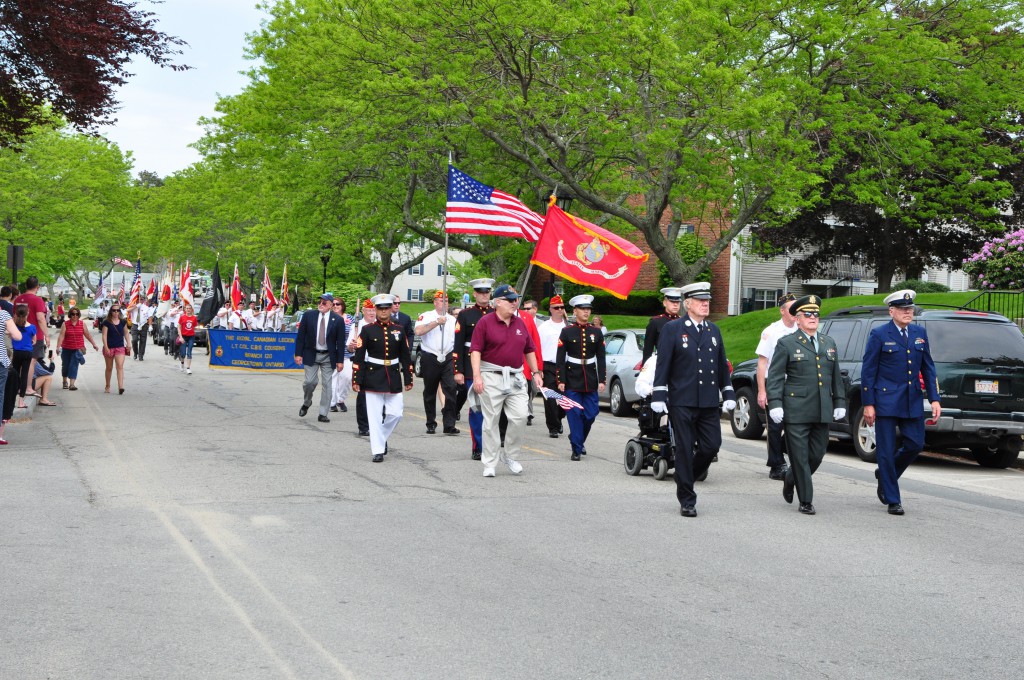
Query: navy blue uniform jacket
(691, 367)
(890, 373)
(305, 344)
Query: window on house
(765, 298)
(416, 270)
(414, 295)
(685, 229)
(440, 270)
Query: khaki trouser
(491, 403)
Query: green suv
(979, 360)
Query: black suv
(979, 360)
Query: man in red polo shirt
(500, 341)
(37, 315)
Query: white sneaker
(189, 371)
(181, 367)
(488, 472)
(513, 466)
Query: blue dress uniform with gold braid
(580, 366)
(690, 372)
(382, 368)
(891, 382)
(464, 325)
(808, 386)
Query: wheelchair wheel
(660, 468)
(633, 459)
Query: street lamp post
(252, 279)
(325, 257)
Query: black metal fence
(1009, 303)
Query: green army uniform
(808, 386)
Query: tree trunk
(884, 272)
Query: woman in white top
(8, 329)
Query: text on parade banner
(252, 350)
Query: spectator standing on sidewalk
(7, 329)
(38, 313)
(71, 341)
(21, 362)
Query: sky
(160, 108)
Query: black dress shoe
(787, 490)
(364, 433)
(574, 456)
(560, 431)
(431, 429)
(777, 474)
(334, 409)
(343, 408)
(378, 458)
(476, 454)
(881, 496)
(688, 511)
(323, 419)
(553, 435)
(529, 421)
(385, 448)
(451, 430)
(807, 508)
(583, 451)
(895, 509)
(302, 410)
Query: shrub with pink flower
(999, 263)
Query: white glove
(839, 414)
(728, 404)
(659, 407)
(775, 414)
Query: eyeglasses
(811, 315)
(74, 314)
(337, 304)
(559, 307)
(527, 309)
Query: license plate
(986, 386)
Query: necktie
(903, 332)
(321, 335)
(814, 343)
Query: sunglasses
(811, 315)
(74, 314)
(337, 304)
(527, 309)
(558, 307)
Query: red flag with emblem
(585, 253)
(236, 290)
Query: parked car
(979, 362)
(624, 350)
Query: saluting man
(464, 326)
(671, 301)
(382, 369)
(690, 372)
(895, 355)
(581, 371)
(806, 392)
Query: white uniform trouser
(392, 405)
(491, 403)
(342, 382)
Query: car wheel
(633, 459)
(745, 420)
(617, 403)
(1000, 458)
(863, 438)
(660, 469)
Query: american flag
(565, 402)
(133, 298)
(284, 287)
(475, 208)
(120, 295)
(123, 262)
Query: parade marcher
(169, 327)
(528, 308)
(320, 348)
(187, 323)
(402, 319)
(342, 380)
(71, 341)
(805, 392)
(465, 324)
(500, 342)
(671, 301)
(437, 330)
(777, 467)
(251, 318)
(115, 347)
(141, 316)
(690, 372)
(581, 372)
(369, 317)
(895, 355)
(549, 332)
(382, 369)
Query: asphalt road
(196, 527)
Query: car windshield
(987, 343)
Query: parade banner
(252, 350)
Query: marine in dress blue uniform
(690, 372)
(580, 372)
(464, 325)
(897, 357)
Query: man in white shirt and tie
(319, 348)
(437, 330)
(141, 315)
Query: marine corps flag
(585, 253)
